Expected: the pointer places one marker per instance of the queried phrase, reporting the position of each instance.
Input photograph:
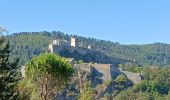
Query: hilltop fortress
(64, 43)
(103, 70)
(57, 46)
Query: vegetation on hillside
(131, 67)
(86, 92)
(28, 44)
(154, 86)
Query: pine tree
(45, 76)
(8, 72)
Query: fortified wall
(101, 71)
(57, 45)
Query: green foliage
(157, 79)
(120, 79)
(121, 83)
(131, 95)
(108, 81)
(131, 67)
(86, 92)
(154, 86)
(80, 61)
(8, 72)
(50, 64)
(46, 75)
(28, 44)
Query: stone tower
(89, 47)
(73, 42)
(50, 47)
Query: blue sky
(124, 21)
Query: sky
(124, 21)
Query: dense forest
(28, 44)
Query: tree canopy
(46, 75)
(8, 71)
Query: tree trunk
(46, 87)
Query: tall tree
(46, 75)
(8, 71)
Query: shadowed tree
(8, 71)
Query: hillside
(27, 44)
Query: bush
(120, 79)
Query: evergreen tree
(8, 72)
(46, 75)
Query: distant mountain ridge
(28, 44)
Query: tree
(156, 80)
(130, 95)
(46, 75)
(8, 71)
(86, 92)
